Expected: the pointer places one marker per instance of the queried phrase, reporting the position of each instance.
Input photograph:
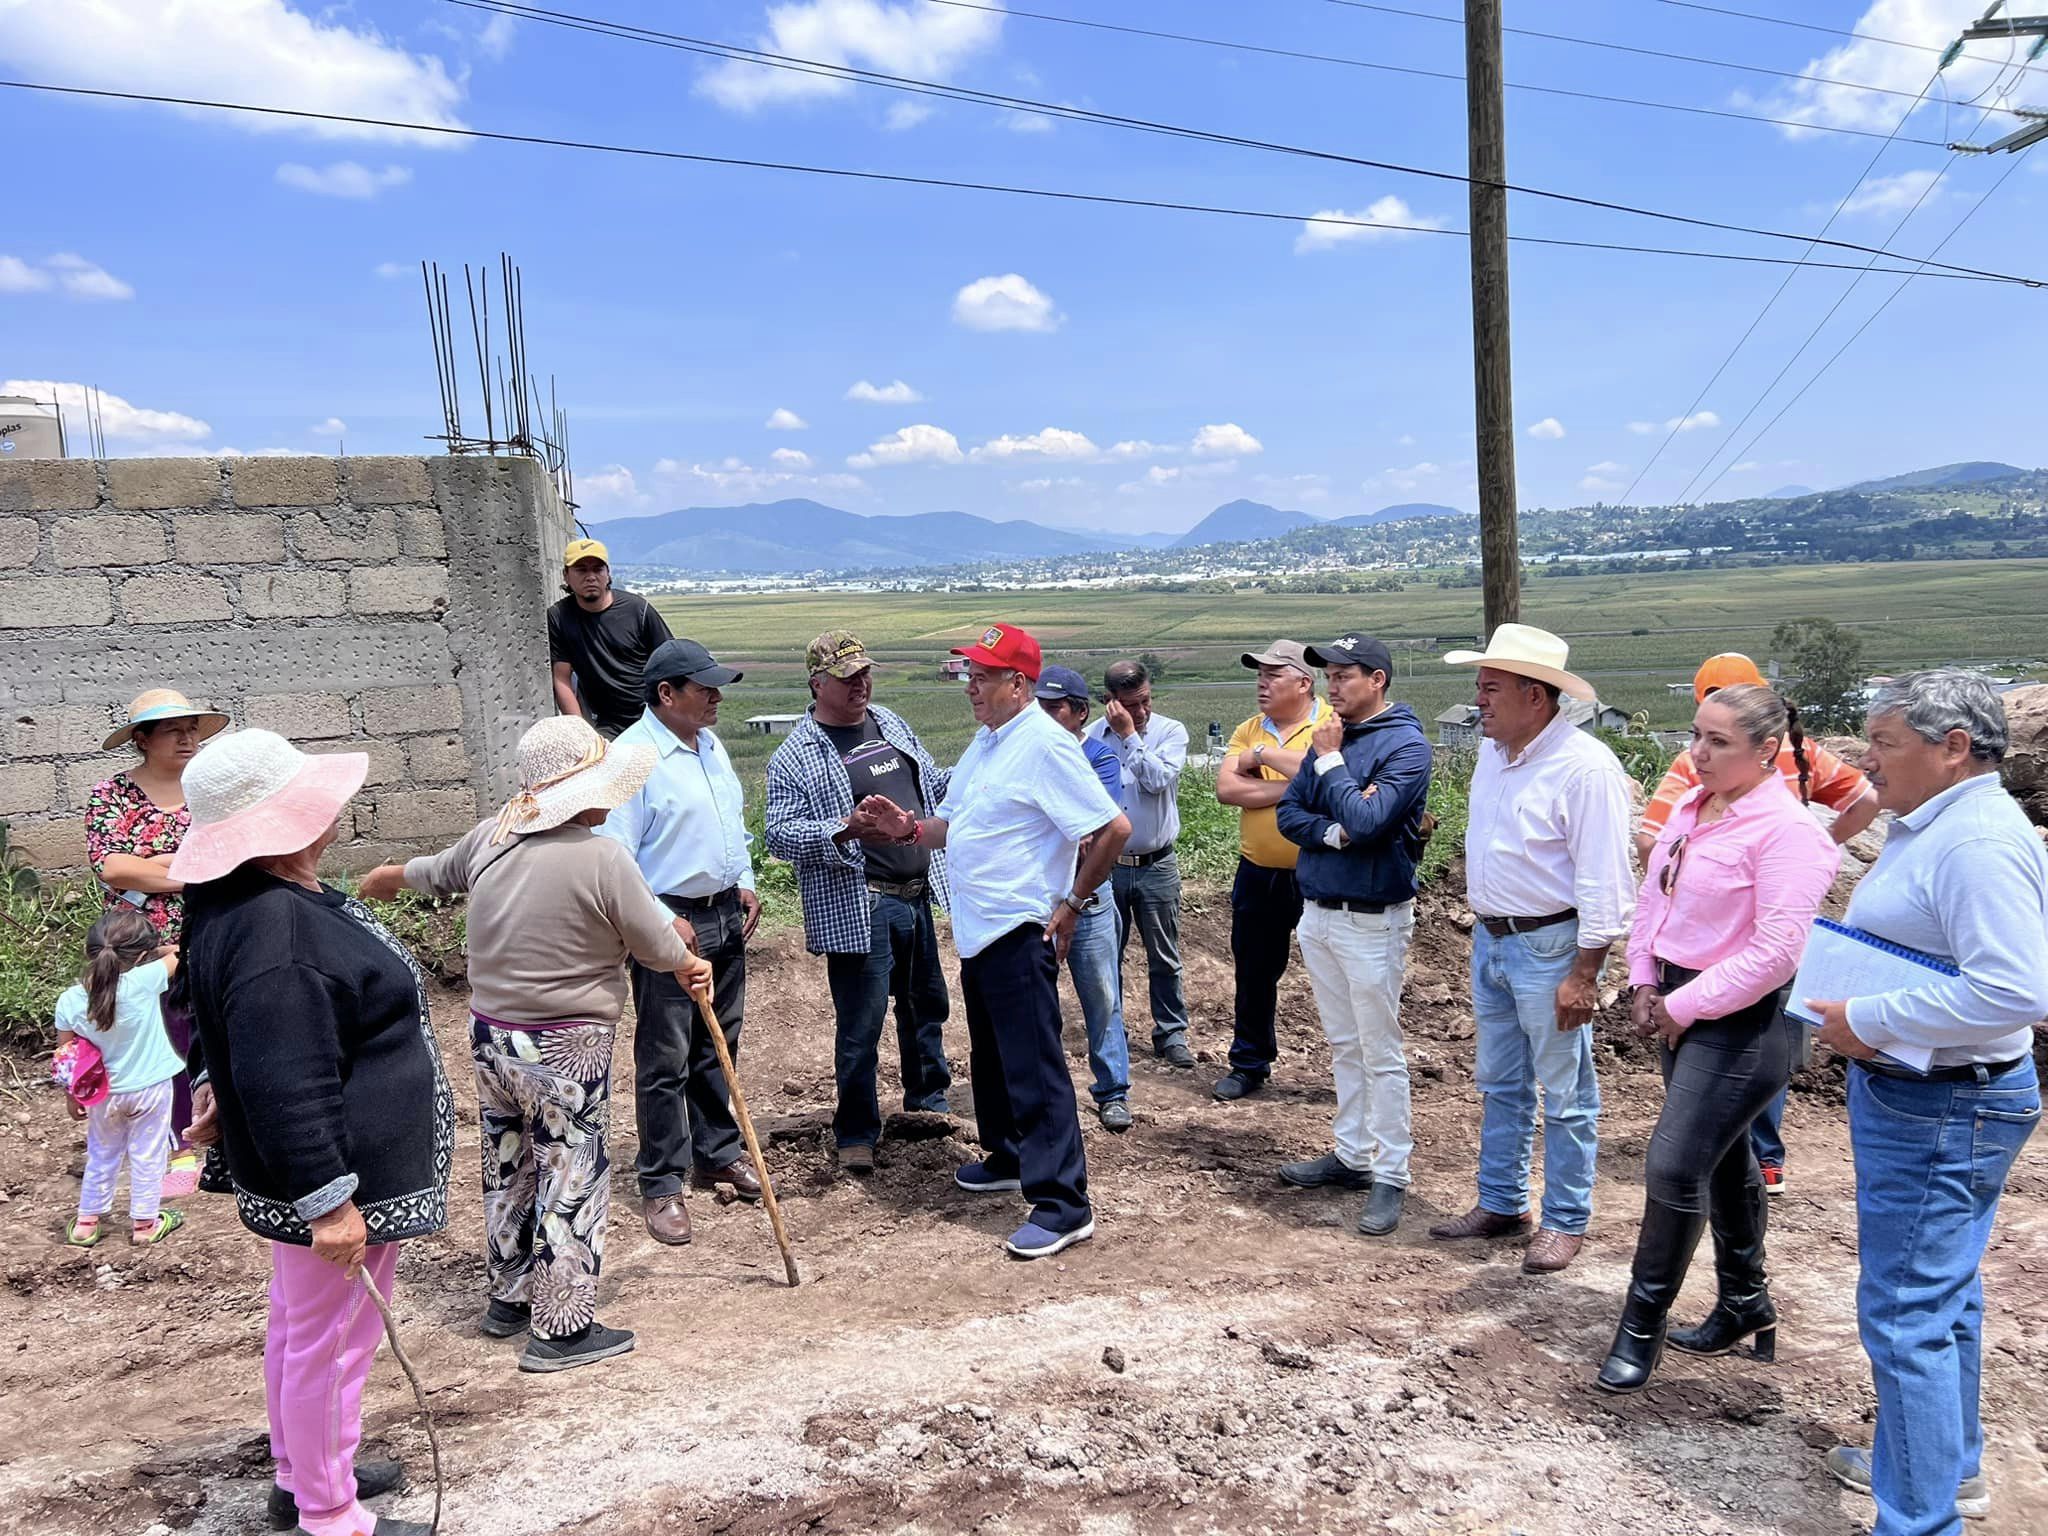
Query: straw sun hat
(1526, 651)
(253, 793)
(164, 704)
(566, 768)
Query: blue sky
(253, 286)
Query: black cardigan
(313, 1031)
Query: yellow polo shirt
(1258, 831)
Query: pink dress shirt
(1747, 891)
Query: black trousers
(1023, 1098)
(1265, 908)
(1718, 1080)
(680, 1098)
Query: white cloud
(791, 458)
(1607, 467)
(1405, 440)
(1872, 60)
(17, 276)
(1139, 448)
(905, 115)
(1891, 194)
(736, 477)
(1745, 467)
(927, 41)
(896, 393)
(1316, 236)
(1550, 429)
(1408, 479)
(1006, 303)
(920, 444)
(264, 52)
(1045, 483)
(1226, 439)
(1642, 428)
(333, 426)
(783, 419)
(1167, 474)
(1030, 122)
(1050, 443)
(1698, 421)
(388, 270)
(344, 178)
(494, 39)
(1601, 485)
(612, 487)
(129, 423)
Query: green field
(1631, 634)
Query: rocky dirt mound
(2026, 760)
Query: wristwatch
(1077, 902)
(1259, 755)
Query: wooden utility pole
(1492, 371)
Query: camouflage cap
(838, 653)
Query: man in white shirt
(1548, 877)
(1153, 751)
(1022, 799)
(686, 830)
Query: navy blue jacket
(1388, 751)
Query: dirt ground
(1226, 1356)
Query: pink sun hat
(253, 793)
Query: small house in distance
(1457, 728)
(953, 668)
(772, 725)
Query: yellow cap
(585, 549)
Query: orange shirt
(1829, 781)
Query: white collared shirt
(1152, 761)
(1021, 799)
(1549, 831)
(687, 828)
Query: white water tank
(29, 429)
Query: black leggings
(1721, 1076)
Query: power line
(1678, 422)
(1238, 46)
(897, 178)
(1805, 26)
(1869, 320)
(1648, 53)
(709, 47)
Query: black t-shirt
(609, 651)
(877, 767)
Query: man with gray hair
(1963, 881)
(1153, 750)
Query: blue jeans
(1519, 1048)
(1092, 962)
(1931, 1162)
(902, 961)
(1766, 1132)
(1148, 900)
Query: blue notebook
(1844, 962)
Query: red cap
(1004, 645)
(1726, 670)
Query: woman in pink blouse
(1733, 885)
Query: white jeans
(1355, 961)
(137, 1126)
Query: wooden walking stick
(739, 1109)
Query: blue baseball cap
(1062, 683)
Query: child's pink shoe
(182, 1177)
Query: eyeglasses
(1668, 882)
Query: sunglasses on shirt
(1668, 881)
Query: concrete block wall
(393, 606)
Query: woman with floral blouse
(134, 822)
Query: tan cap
(1282, 653)
(837, 653)
(585, 549)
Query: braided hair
(1762, 713)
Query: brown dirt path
(1280, 1373)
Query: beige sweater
(552, 918)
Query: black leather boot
(1663, 1253)
(1744, 1305)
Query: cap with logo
(1727, 670)
(1282, 653)
(1351, 650)
(675, 660)
(585, 549)
(1062, 683)
(1004, 645)
(837, 653)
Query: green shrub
(42, 947)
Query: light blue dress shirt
(1962, 877)
(1152, 762)
(1021, 799)
(687, 827)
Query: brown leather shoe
(1551, 1251)
(739, 1173)
(668, 1220)
(1480, 1222)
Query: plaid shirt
(809, 799)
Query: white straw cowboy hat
(565, 768)
(253, 793)
(1526, 651)
(164, 704)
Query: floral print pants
(543, 1099)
